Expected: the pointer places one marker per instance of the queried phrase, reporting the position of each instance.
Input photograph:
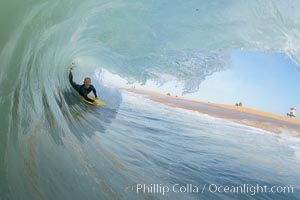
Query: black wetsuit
(81, 89)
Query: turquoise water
(53, 146)
(145, 143)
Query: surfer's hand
(94, 103)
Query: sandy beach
(242, 115)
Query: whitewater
(54, 146)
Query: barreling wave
(138, 40)
(142, 40)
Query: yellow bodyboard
(99, 102)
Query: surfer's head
(87, 82)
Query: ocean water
(104, 154)
(53, 146)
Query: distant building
(239, 104)
(292, 112)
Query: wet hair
(86, 79)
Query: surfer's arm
(94, 91)
(70, 77)
(74, 85)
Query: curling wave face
(141, 40)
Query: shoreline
(241, 115)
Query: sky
(260, 80)
(265, 81)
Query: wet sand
(242, 115)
